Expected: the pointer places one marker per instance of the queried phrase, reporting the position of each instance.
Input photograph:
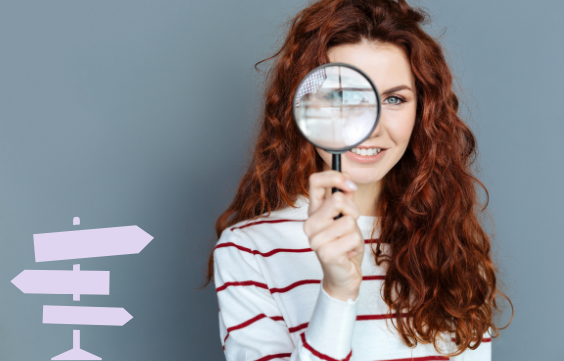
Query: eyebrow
(397, 88)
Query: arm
(251, 324)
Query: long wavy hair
(439, 263)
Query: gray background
(142, 112)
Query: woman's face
(389, 69)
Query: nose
(379, 127)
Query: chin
(366, 176)
(366, 180)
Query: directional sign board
(87, 243)
(82, 315)
(75, 282)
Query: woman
(295, 284)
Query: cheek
(401, 127)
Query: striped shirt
(272, 305)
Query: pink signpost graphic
(88, 243)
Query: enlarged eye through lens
(345, 96)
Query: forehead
(385, 64)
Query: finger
(319, 182)
(336, 229)
(324, 216)
(338, 202)
(332, 252)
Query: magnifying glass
(336, 107)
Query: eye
(350, 97)
(397, 100)
(354, 97)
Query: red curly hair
(439, 265)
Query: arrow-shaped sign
(82, 315)
(75, 282)
(87, 243)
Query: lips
(364, 159)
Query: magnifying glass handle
(336, 165)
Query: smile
(366, 151)
(365, 155)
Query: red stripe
(379, 317)
(319, 354)
(289, 287)
(302, 282)
(293, 285)
(270, 357)
(286, 220)
(424, 358)
(273, 251)
(250, 322)
(373, 240)
(246, 323)
(358, 318)
(242, 283)
(268, 221)
(374, 278)
(267, 254)
(298, 327)
(483, 340)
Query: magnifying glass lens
(336, 107)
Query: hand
(338, 244)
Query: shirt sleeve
(251, 324)
(482, 353)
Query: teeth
(365, 151)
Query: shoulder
(279, 228)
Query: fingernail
(351, 185)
